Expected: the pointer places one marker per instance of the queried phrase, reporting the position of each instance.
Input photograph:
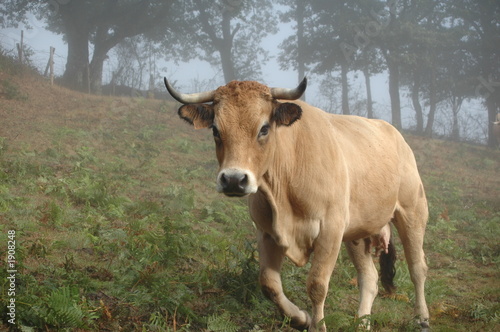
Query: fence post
(51, 61)
(20, 48)
(50, 65)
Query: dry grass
(59, 146)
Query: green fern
(63, 310)
(222, 322)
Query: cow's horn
(290, 94)
(194, 98)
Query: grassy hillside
(117, 225)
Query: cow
(315, 180)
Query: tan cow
(314, 180)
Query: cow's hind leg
(410, 224)
(367, 277)
(271, 260)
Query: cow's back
(327, 160)
(382, 171)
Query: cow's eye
(264, 130)
(215, 132)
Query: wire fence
(34, 57)
(37, 57)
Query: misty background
(431, 67)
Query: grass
(118, 226)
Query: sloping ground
(117, 225)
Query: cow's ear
(285, 114)
(199, 115)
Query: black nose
(234, 184)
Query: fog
(421, 62)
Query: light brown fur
(323, 180)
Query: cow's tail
(387, 267)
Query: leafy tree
(392, 41)
(330, 36)
(369, 61)
(320, 29)
(294, 48)
(423, 70)
(418, 44)
(331, 27)
(362, 50)
(444, 53)
(101, 23)
(481, 23)
(228, 33)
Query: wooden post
(47, 66)
(20, 48)
(50, 65)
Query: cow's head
(244, 117)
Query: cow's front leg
(326, 251)
(271, 259)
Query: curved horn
(290, 94)
(194, 98)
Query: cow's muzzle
(236, 182)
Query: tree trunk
(102, 44)
(76, 74)
(493, 107)
(393, 67)
(415, 93)
(227, 64)
(299, 17)
(369, 102)
(345, 88)
(456, 104)
(223, 45)
(488, 62)
(96, 66)
(226, 46)
(432, 104)
(77, 33)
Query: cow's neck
(294, 194)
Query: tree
(428, 41)
(321, 29)
(294, 48)
(449, 45)
(391, 42)
(481, 21)
(369, 62)
(418, 63)
(228, 33)
(331, 36)
(457, 78)
(333, 22)
(101, 23)
(362, 50)
(417, 44)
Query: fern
(222, 322)
(63, 310)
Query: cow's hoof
(424, 326)
(303, 323)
